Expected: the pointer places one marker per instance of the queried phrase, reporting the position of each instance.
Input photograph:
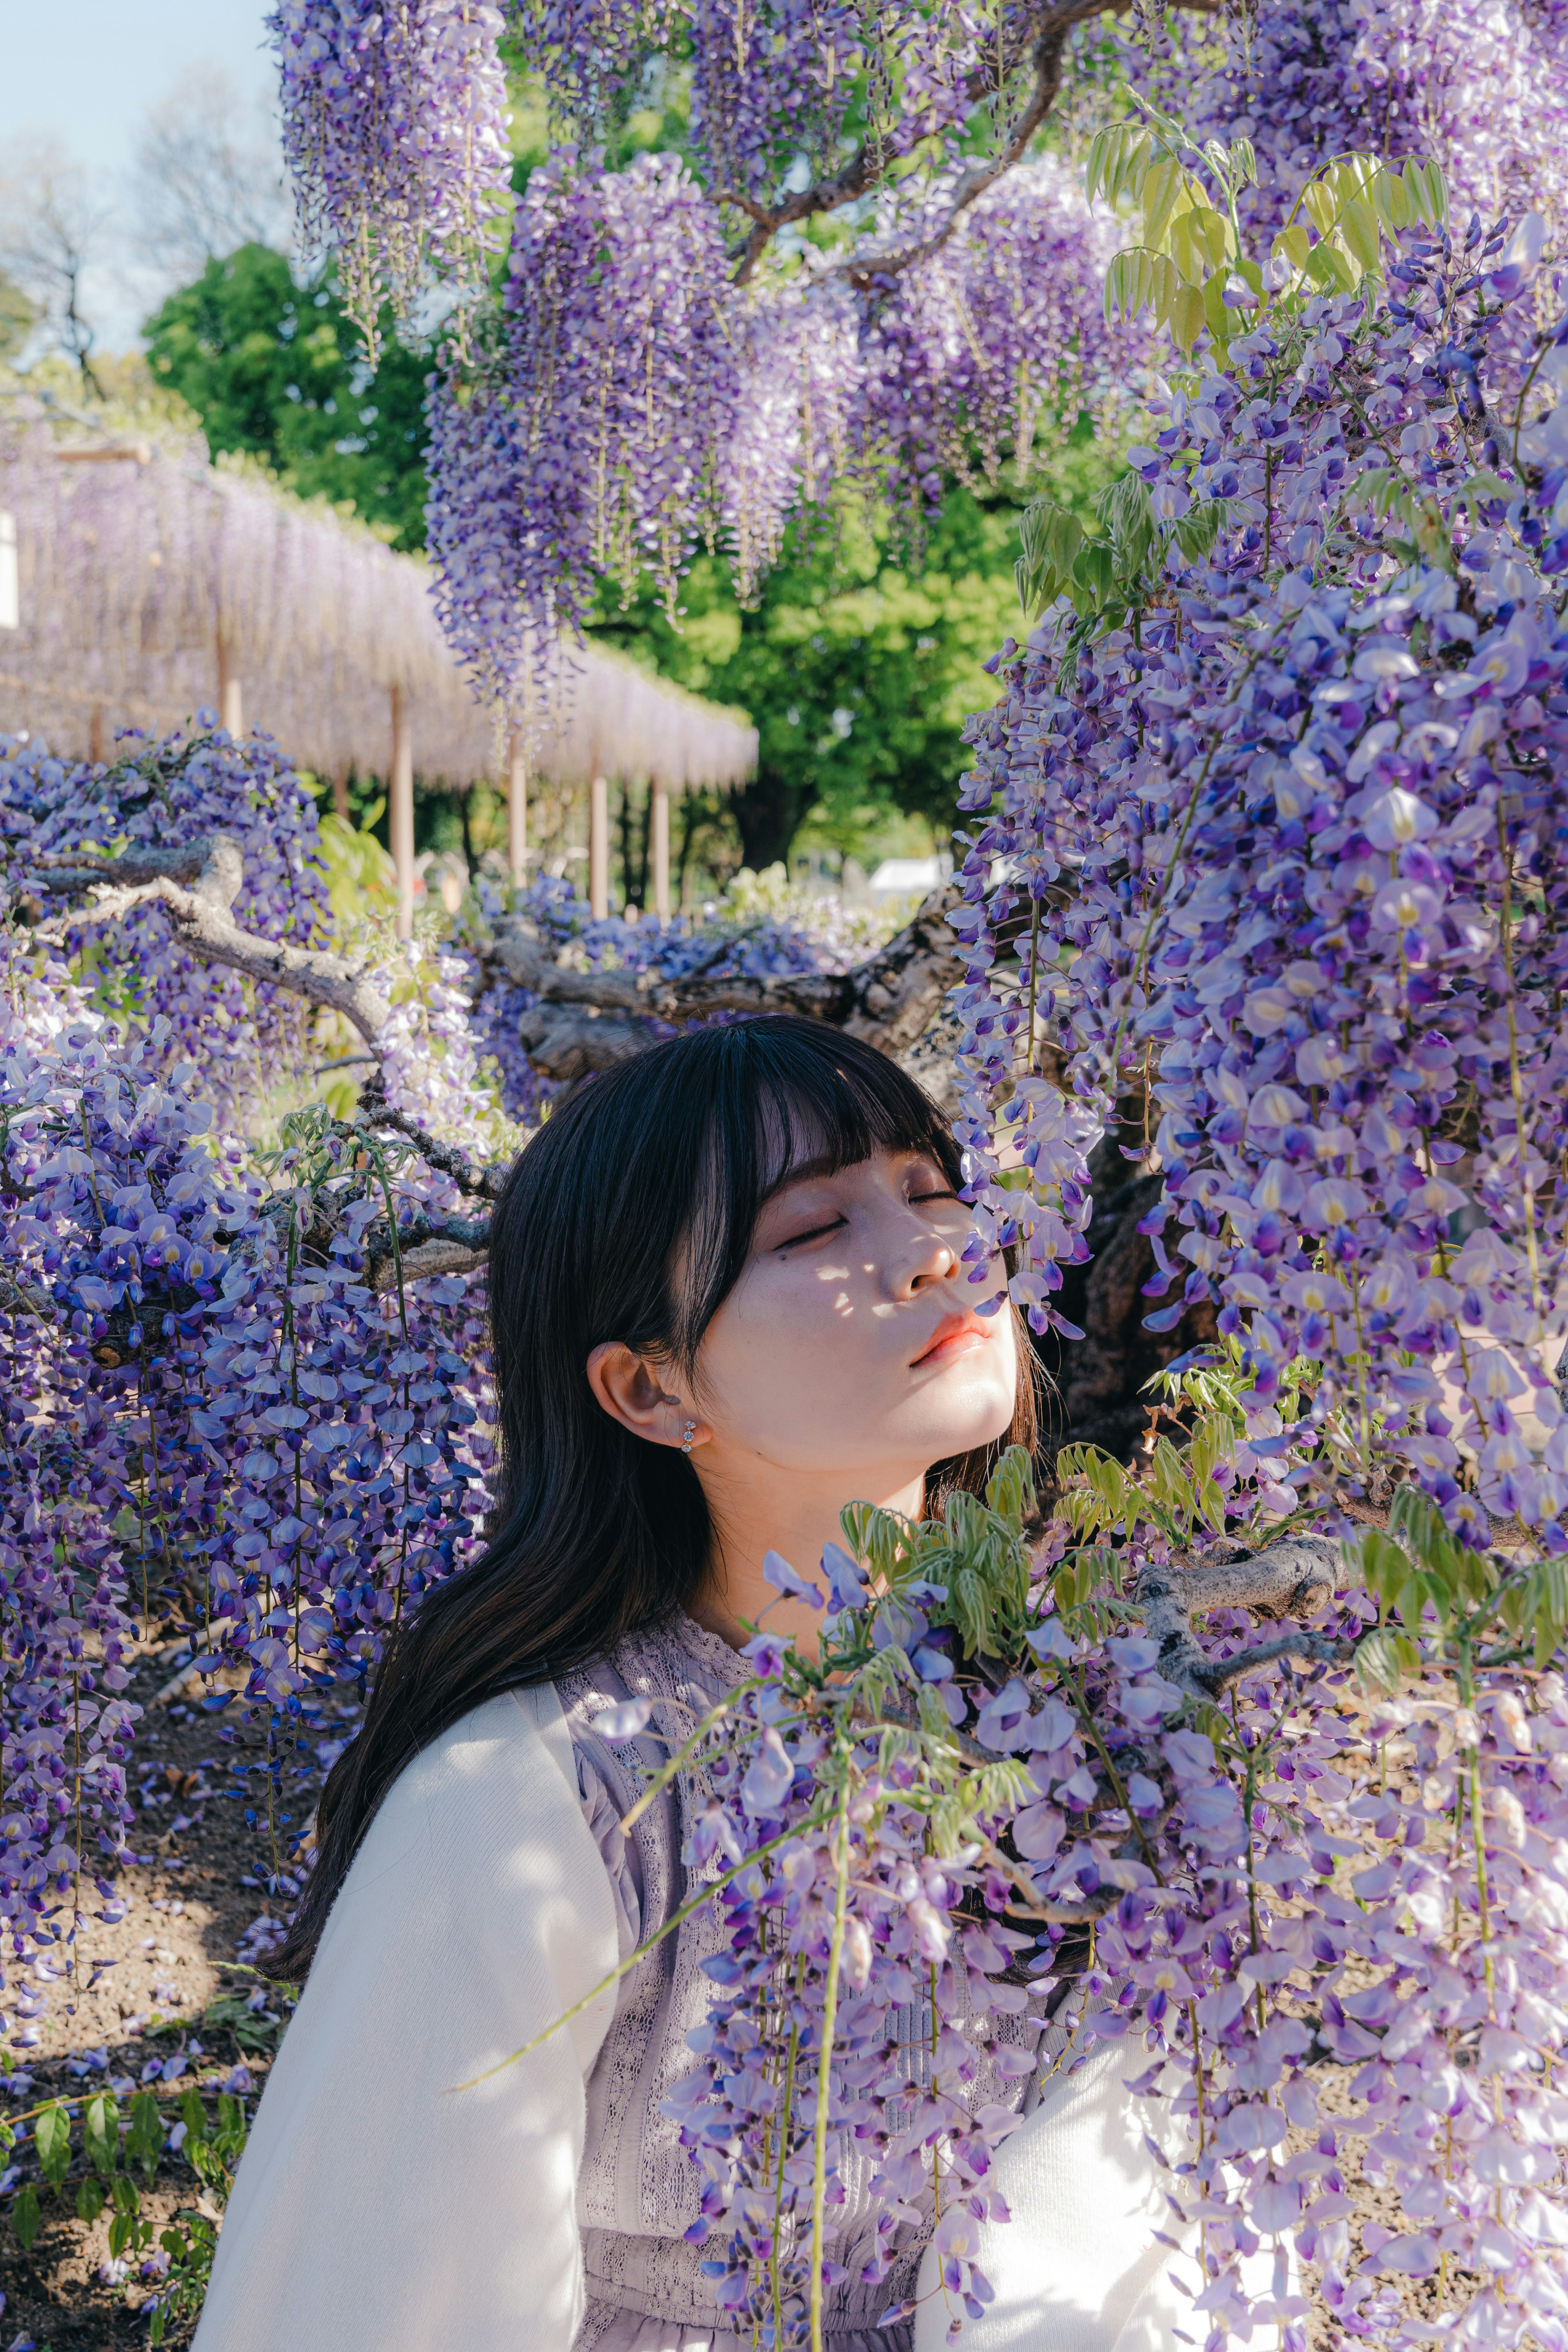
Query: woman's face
(851, 1341)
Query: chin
(978, 1419)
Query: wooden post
(661, 852)
(341, 790)
(230, 699)
(401, 817)
(95, 736)
(599, 848)
(10, 581)
(517, 811)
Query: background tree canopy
(273, 369)
(857, 661)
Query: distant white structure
(909, 877)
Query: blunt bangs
(779, 1092)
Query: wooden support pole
(517, 811)
(599, 848)
(661, 853)
(402, 810)
(230, 698)
(95, 736)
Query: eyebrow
(830, 1164)
(800, 1171)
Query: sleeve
(1077, 2268)
(378, 2208)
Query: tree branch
(204, 919)
(427, 1245)
(23, 1299)
(485, 1183)
(589, 1021)
(1041, 35)
(1290, 1578)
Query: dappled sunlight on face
(852, 1340)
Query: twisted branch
(198, 882)
(584, 1020)
(1040, 34)
(484, 1183)
(1290, 1578)
(427, 1245)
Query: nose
(928, 1260)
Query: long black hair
(629, 1216)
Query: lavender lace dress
(638, 2191)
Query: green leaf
(1293, 245)
(1330, 266)
(1195, 531)
(1358, 227)
(1164, 190)
(1427, 191)
(1010, 1489)
(1384, 1656)
(26, 2216)
(1391, 199)
(1118, 158)
(1051, 538)
(88, 2200)
(124, 2195)
(1320, 207)
(1416, 1516)
(1384, 1565)
(1140, 280)
(1188, 316)
(144, 2141)
(52, 2135)
(100, 2130)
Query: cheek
(789, 1322)
(796, 1360)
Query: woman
(729, 1297)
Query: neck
(771, 1510)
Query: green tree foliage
(273, 369)
(859, 666)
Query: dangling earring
(686, 1441)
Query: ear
(631, 1392)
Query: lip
(955, 1336)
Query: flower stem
(825, 2070)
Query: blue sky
(88, 70)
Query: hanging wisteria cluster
(644, 384)
(1291, 819)
(868, 275)
(162, 792)
(395, 128)
(238, 1400)
(589, 450)
(1480, 85)
(991, 1799)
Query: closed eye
(812, 1234)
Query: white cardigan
(378, 2210)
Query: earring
(686, 1441)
